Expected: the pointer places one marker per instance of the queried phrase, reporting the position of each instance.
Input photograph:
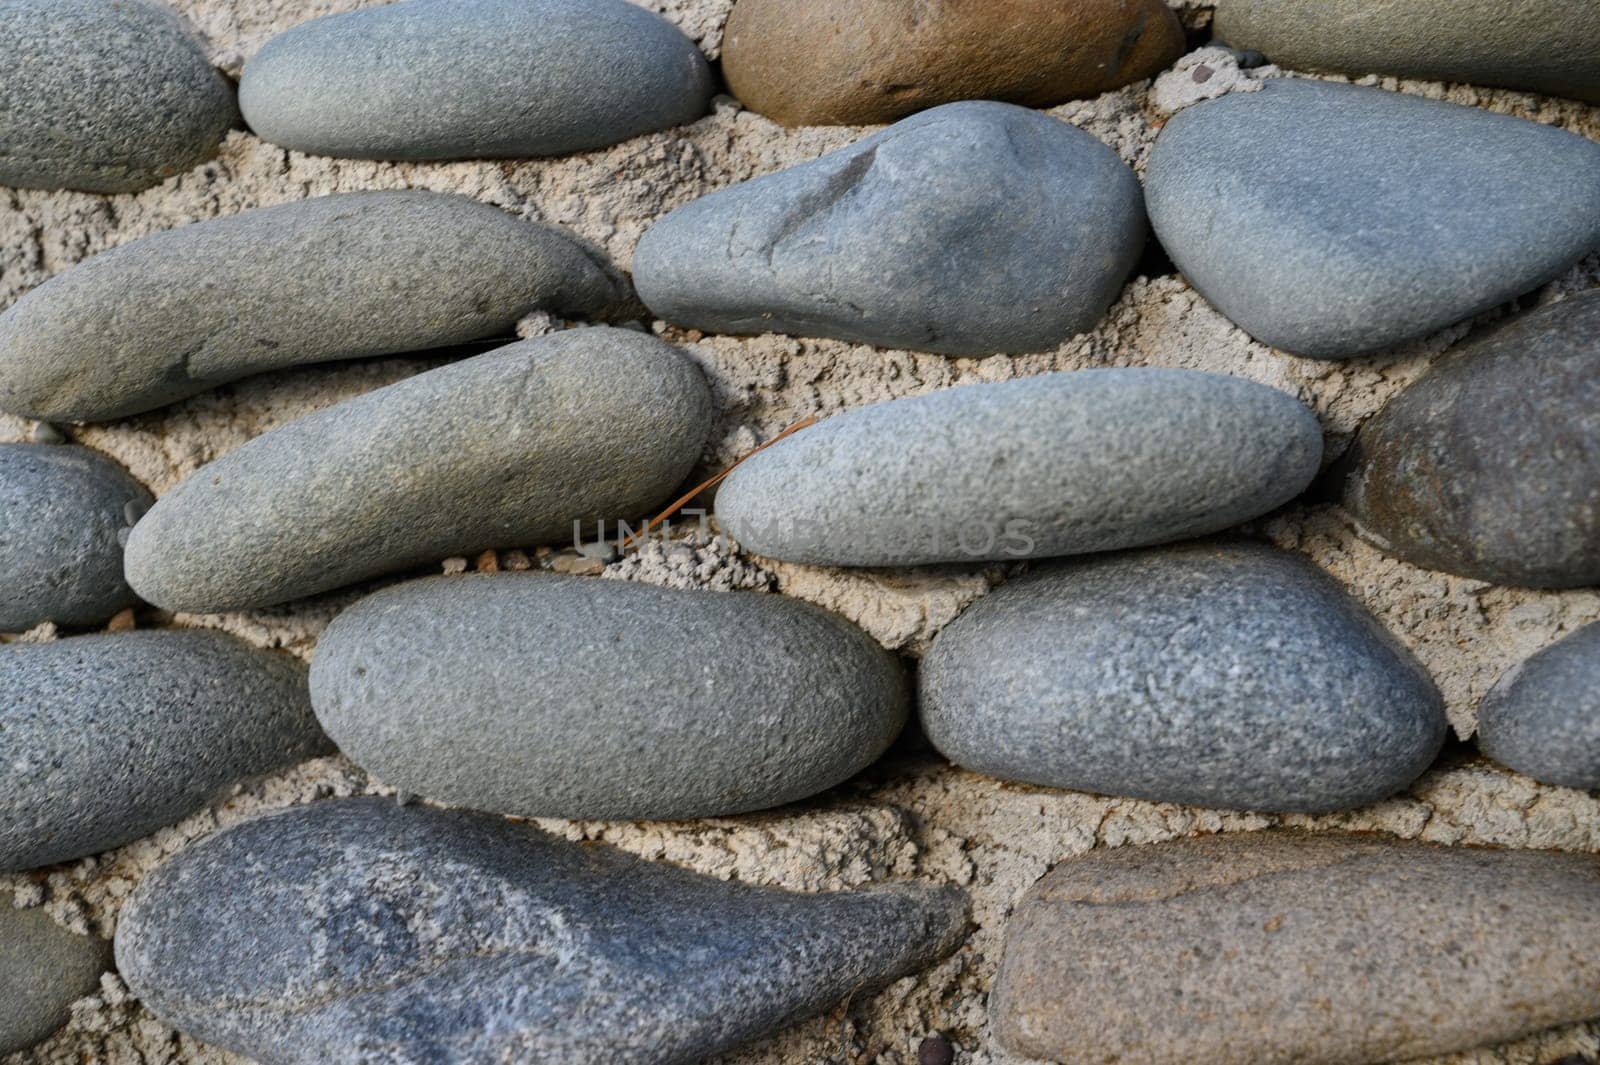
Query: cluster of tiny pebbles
(1151, 651)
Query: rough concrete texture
(916, 816)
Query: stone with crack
(970, 229)
(359, 931)
(1543, 717)
(44, 968)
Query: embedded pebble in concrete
(104, 95)
(1282, 947)
(336, 277)
(1337, 220)
(1543, 717)
(1489, 466)
(1222, 675)
(62, 511)
(361, 931)
(44, 968)
(505, 449)
(1051, 465)
(860, 62)
(436, 79)
(571, 697)
(1546, 46)
(970, 229)
(108, 738)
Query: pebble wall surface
(914, 815)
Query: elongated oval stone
(571, 697)
(62, 511)
(970, 229)
(361, 932)
(507, 448)
(1053, 465)
(1224, 675)
(44, 969)
(1489, 466)
(1543, 716)
(104, 95)
(1548, 46)
(108, 738)
(1277, 948)
(337, 277)
(438, 79)
(1338, 220)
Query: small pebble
(46, 433)
(936, 1050)
(1202, 74)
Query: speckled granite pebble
(1224, 675)
(108, 738)
(44, 968)
(1543, 717)
(1288, 949)
(62, 509)
(361, 932)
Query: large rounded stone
(1543, 717)
(108, 738)
(972, 229)
(1230, 675)
(1338, 220)
(104, 95)
(490, 79)
(1053, 465)
(365, 933)
(44, 969)
(860, 62)
(337, 277)
(1549, 46)
(1489, 466)
(62, 512)
(571, 698)
(505, 449)
(1282, 948)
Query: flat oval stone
(359, 931)
(570, 697)
(1548, 46)
(1279, 947)
(336, 277)
(1335, 220)
(1489, 466)
(1543, 716)
(108, 738)
(504, 449)
(1059, 464)
(970, 229)
(62, 510)
(860, 62)
(1225, 675)
(435, 79)
(44, 969)
(105, 95)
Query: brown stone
(859, 62)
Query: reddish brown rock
(858, 62)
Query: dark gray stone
(570, 697)
(61, 511)
(1060, 464)
(969, 229)
(44, 968)
(1543, 717)
(362, 932)
(488, 79)
(104, 95)
(336, 277)
(1489, 466)
(1335, 220)
(505, 449)
(108, 738)
(1224, 675)
(1548, 46)
(1285, 947)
